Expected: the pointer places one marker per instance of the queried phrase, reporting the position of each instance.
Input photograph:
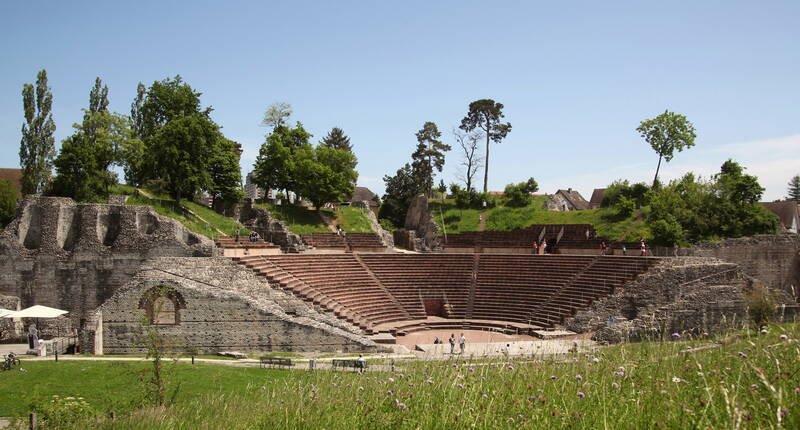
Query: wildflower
(460, 386)
(391, 379)
(596, 359)
(581, 395)
(485, 396)
(619, 373)
(360, 388)
(754, 387)
(615, 385)
(553, 377)
(705, 334)
(797, 390)
(400, 405)
(676, 335)
(784, 337)
(430, 381)
(676, 379)
(763, 331)
(460, 376)
(743, 355)
(579, 377)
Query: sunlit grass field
(748, 380)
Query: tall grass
(750, 382)
(300, 219)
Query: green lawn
(747, 381)
(502, 218)
(169, 208)
(300, 219)
(352, 219)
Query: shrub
(59, 412)
(760, 305)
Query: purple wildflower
(676, 335)
(784, 337)
(581, 395)
(579, 377)
(763, 331)
(743, 355)
(554, 377)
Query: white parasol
(5, 313)
(39, 311)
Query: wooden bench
(275, 361)
(355, 364)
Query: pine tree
(794, 189)
(429, 156)
(37, 147)
(336, 139)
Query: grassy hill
(502, 218)
(193, 216)
(302, 220)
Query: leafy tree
(429, 156)
(37, 147)
(667, 133)
(519, 195)
(471, 161)
(400, 189)
(794, 189)
(181, 144)
(277, 115)
(226, 177)
(181, 148)
(689, 210)
(275, 165)
(486, 115)
(8, 202)
(337, 139)
(442, 188)
(324, 174)
(86, 156)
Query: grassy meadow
(503, 218)
(746, 380)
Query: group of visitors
(541, 247)
(462, 343)
(254, 237)
(642, 245)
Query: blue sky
(575, 77)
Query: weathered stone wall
(74, 256)
(419, 219)
(386, 237)
(222, 306)
(684, 293)
(773, 259)
(270, 229)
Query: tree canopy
(83, 163)
(8, 202)
(37, 147)
(400, 189)
(690, 210)
(180, 143)
(519, 195)
(337, 139)
(794, 189)
(287, 161)
(667, 133)
(428, 157)
(486, 114)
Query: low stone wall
(213, 305)
(680, 294)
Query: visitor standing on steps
(452, 341)
(643, 246)
(462, 342)
(602, 247)
(237, 235)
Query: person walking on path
(535, 247)
(362, 363)
(452, 341)
(602, 247)
(643, 246)
(33, 337)
(462, 342)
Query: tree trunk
(657, 169)
(486, 162)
